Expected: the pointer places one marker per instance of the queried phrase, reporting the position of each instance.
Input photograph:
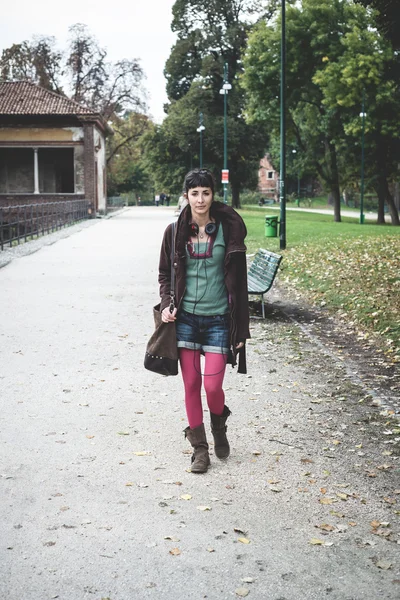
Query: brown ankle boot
(200, 456)
(218, 429)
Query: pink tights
(214, 371)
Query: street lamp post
(200, 130)
(362, 115)
(224, 90)
(282, 178)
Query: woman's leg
(219, 412)
(214, 372)
(191, 375)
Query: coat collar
(233, 225)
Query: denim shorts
(197, 332)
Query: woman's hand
(239, 345)
(167, 316)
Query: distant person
(162, 198)
(157, 200)
(167, 199)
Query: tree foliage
(333, 53)
(209, 34)
(81, 72)
(126, 172)
(387, 17)
(37, 61)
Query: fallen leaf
(383, 564)
(375, 524)
(242, 592)
(316, 542)
(123, 433)
(248, 579)
(210, 550)
(238, 530)
(326, 527)
(186, 497)
(203, 508)
(256, 452)
(172, 538)
(175, 552)
(327, 500)
(342, 496)
(142, 453)
(243, 540)
(129, 484)
(90, 437)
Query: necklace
(201, 235)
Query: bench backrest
(263, 270)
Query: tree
(387, 17)
(320, 36)
(81, 72)
(210, 34)
(366, 68)
(107, 87)
(126, 171)
(37, 61)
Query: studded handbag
(161, 354)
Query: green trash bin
(271, 226)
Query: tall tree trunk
(334, 183)
(384, 194)
(394, 213)
(235, 195)
(381, 201)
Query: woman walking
(212, 315)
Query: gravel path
(97, 501)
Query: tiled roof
(26, 98)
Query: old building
(51, 148)
(268, 179)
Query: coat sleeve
(243, 320)
(164, 268)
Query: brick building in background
(268, 179)
(51, 148)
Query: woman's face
(200, 199)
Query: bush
(248, 197)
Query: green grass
(347, 267)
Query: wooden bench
(261, 274)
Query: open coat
(235, 271)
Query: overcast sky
(127, 28)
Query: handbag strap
(172, 292)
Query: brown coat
(235, 271)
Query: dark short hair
(199, 178)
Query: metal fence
(22, 223)
(115, 203)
